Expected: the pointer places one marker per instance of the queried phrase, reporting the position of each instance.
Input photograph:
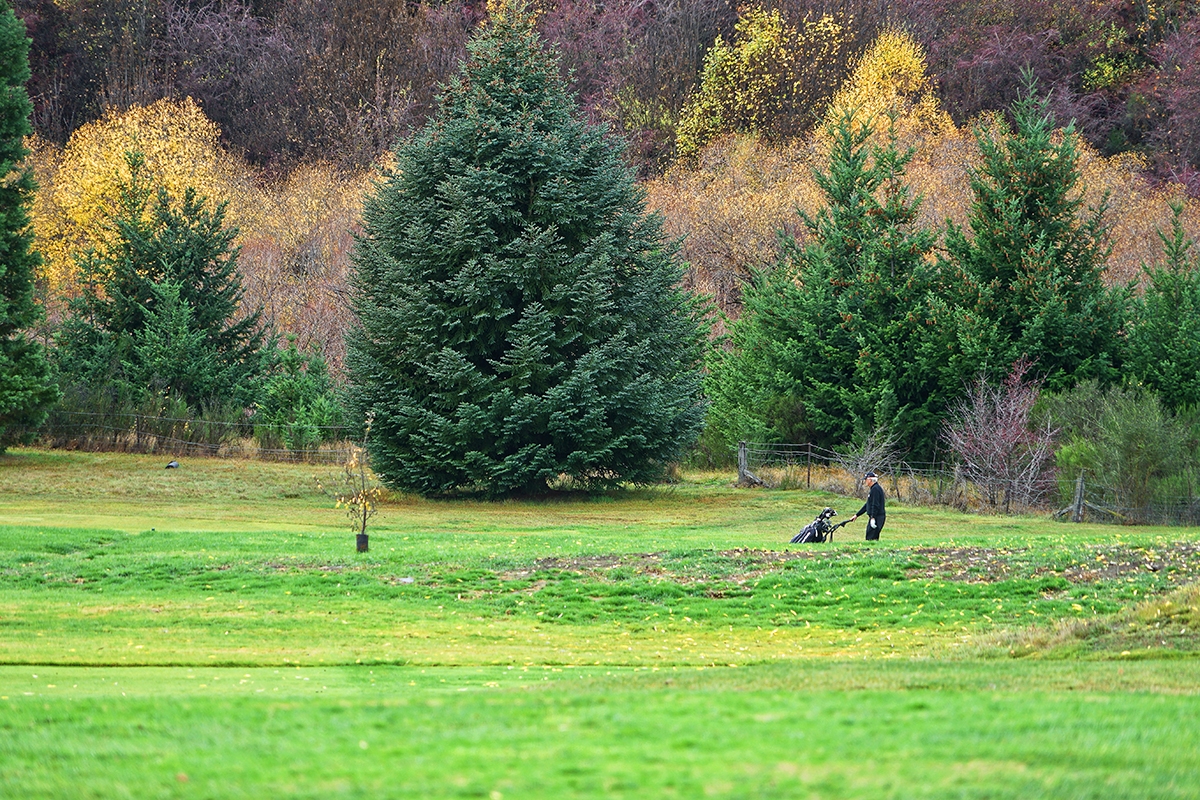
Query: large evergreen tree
(159, 312)
(834, 342)
(519, 316)
(1033, 263)
(25, 388)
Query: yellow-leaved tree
(890, 78)
(771, 80)
(891, 93)
(79, 182)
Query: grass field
(210, 632)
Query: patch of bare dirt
(589, 565)
(1178, 563)
(278, 566)
(745, 564)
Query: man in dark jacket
(873, 508)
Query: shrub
(994, 435)
(1128, 441)
(295, 255)
(728, 211)
(297, 409)
(1139, 444)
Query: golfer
(873, 508)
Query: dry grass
(1169, 623)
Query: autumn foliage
(288, 116)
(80, 182)
(294, 232)
(742, 188)
(773, 79)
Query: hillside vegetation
(736, 154)
(190, 89)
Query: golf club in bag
(819, 530)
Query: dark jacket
(873, 508)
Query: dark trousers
(873, 533)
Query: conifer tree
(1163, 337)
(159, 311)
(26, 391)
(518, 312)
(832, 343)
(1034, 261)
(297, 407)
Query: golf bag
(819, 530)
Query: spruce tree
(519, 316)
(1034, 261)
(1163, 337)
(26, 391)
(833, 343)
(159, 310)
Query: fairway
(211, 632)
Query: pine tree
(1034, 262)
(26, 391)
(519, 316)
(1163, 337)
(160, 303)
(833, 343)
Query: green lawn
(211, 632)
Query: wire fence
(1081, 497)
(1098, 501)
(765, 464)
(139, 433)
(812, 466)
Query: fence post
(808, 479)
(959, 490)
(1077, 505)
(745, 476)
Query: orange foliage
(730, 203)
(1137, 210)
(294, 235)
(729, 207)
(296, 256)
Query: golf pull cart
(819, 530)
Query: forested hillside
(301, 98)
(340, 80)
